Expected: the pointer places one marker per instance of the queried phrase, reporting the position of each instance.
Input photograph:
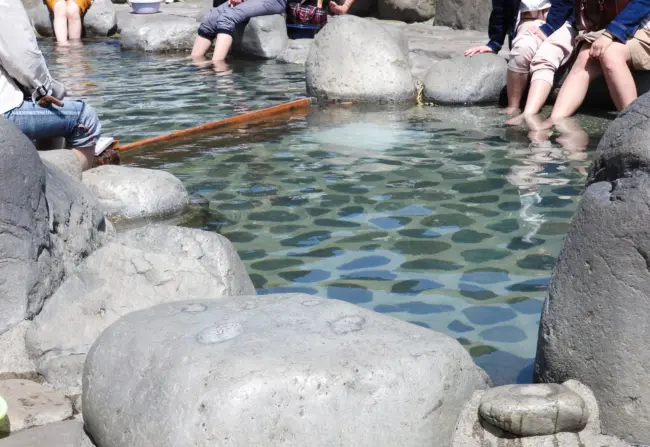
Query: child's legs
(73, 14)
(552, 53)
(208, 31)
(573, 91)
(60, 23)
(231, 18)
(615, 65)
(524, 47)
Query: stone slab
(32, 404)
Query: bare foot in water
(516, 120)
(511, 111)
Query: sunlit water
(439, 216)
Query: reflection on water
(439, 216)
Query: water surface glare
(439, 216)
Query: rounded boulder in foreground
(135, 193)
(274, 370)
(358, 60)
(466, 80)
(534, 410)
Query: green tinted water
(438, 216)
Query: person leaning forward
(613, 52)
(30, 98)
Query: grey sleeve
(19, 53)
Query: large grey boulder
(63, 159)
(160, 33)
(264, 37)
(101, 19)
(466, 80)
(58, 434)
(624, 147)
(274, 370)
(407, 10)
(534, 410)
(135, 193)
(141, 268)
(28, 271)
(77, 223)
(357, 59)
(594, 324)
(463, 14)
(473, 431)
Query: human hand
(535, 31)
(49, 100)
(599, 47)
(339, 9)
(478, 50)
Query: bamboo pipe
(290, 109)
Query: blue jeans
(76, 121)
(225, 19)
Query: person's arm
(497, 25)
(628, 21)
(560, 12)
(341, 9)
(19, 53)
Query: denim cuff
(619, 31)
(205, 34)
(494, 46)
(547, 29)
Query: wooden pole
(290, 109)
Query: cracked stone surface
(281, 369)
(14, 360)
(534, 410)
(594, 324)
(32, 404)
(151, 265)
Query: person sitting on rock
(67, 18)
(541, 40)
(30, 98)
(613, 53)
(219, 24)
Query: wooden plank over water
(286, 110)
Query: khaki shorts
(82, 4)
(639, 46)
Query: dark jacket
(629, 20)
(504, 18)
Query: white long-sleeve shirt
(21, 61)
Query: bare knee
(613, 60)
(72, 12)
(60, 10)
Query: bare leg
(537, 96)
(620, 82)
(575, 87)
(516, 86)
(61, 22)
(74, 21)
(86, 156)
(201, 46)
(221, 47)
